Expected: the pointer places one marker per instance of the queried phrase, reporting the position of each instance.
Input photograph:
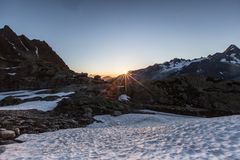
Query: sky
(110, 37)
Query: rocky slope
(225, 65)
(26, 63)
(183, 94)
(19, 49)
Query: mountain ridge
(225, 65)
(21, 48)
(32, 64)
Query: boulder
(17, 131)
(7, 134)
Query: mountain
(206, 86)
(225, 65)
(26, 63)
(19, 49)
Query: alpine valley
(40, 93)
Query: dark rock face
(31, 64)
(224, 65)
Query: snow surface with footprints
(136, 136)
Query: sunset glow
(113, 37)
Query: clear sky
(114, 36)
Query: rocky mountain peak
(29, 63)
(7, 28)
(21, 49)
(232, 49)
(7, 32)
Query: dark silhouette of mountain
(225, 65)
(26, 63)
(19, 49)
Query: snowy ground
(27, 94)
(136, 136)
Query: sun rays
(128, 77)
(125, 84)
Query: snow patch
(36, 51)
(123, 98)
(39, 105)
(12, 74)
(26, 94)
(24, 45)
(136, 136)
(223, 60)
(13, 45)
(234, 59)
(176, 66)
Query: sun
(124, 71)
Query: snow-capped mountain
(224, 65)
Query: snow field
(136, 136)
